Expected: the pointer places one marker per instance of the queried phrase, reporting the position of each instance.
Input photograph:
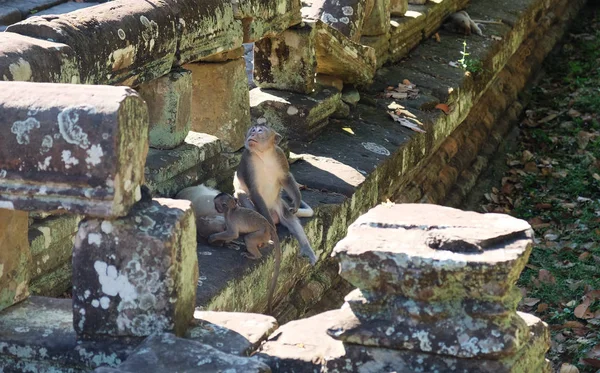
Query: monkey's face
(224, 202)
(261, 138)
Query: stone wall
(156, 92)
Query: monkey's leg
(227, 236)
(254, 241)
(292, 223)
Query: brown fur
(256, 229)
(261, 175)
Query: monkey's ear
(278, 138)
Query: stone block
(9, 14)
(288, 61)
(15, 257)
(74, 148)
(166, 353)
(297, 117)
(381, 45)
(232, 54)
(169, 100)
(136, 275)
(345, 16)
(341, 57)
(51, 242)
(267, 18)
(299, 346)
(476, 256)
(137, 43)
(234, 333)
(378, 21)
(56, 281)
(28, 7)
(405, 34)
(27, 59)
(164, 165)
(220, 103)
(204, 30)
(37, 335)
(63, 8)
(398, 7)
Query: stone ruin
(97, 99)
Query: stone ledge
(381, 157)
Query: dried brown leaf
(546, 277)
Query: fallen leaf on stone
(546, 277)
(443, 107)
(496, 38)
(568, 368)
(530, 302)
(348, 129)
(437, 38)
(406, 123)
(402, 91)
(453, 63)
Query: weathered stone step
(38, 334)
(381, 159)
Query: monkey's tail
(305, 211)
(273, 285)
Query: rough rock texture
(136, 275)
(37, 335)
(232, 54)
(231, 332)
(398, 7)
(167, 353)
(267, 18)
(288, 61)
(15, 257)
(347, 16)
(220, 103)
(381, 45)
(27, 59)
(71, 6)
(28, 7)
(338, 56)
(298, 117)
(305, 346)
(378, 21)
(405, 34)
(77, 148)
(469, 255)
(9, 14)
(169, 171)
(138, 41)
(51, 242)
(204, 30)
(169, 100)
(435, 295)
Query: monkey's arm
(227, 236)
(291, 188)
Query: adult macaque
(461, 23)
(262, 173)
(256, 229)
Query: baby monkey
(257, 230)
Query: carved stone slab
(71, 148)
